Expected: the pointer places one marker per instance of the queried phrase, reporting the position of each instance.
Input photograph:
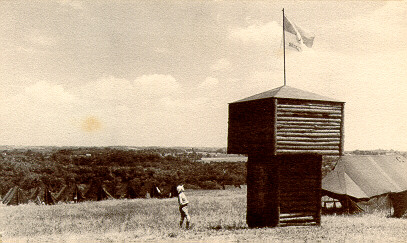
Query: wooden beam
(289, 151)
(313, 147)
(341, 149)
(309, 115)
(308, 130)
(337, 143)
(303, 139)
(310, 119)
(291, 215)
(308, 110)
(295, 220)
(306, 123)
(309, 126)
(324, 135)
(310, 106)
(303, 102)
(274, 124)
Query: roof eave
(330, 101)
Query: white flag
(297, 37)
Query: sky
(161, 73)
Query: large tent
(128, 191)
(42, 195)
(366, 179)
(97, 192)
(155, 192)
(15, 196)
(69, 193)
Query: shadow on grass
(244, 227)
(172, 235)
(227, 227)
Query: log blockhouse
(285, 132)
(286, 120)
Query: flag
(297, 37)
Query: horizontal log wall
(308, 127)
(287, 185)
(299, 188)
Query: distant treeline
(159, 167)
(143, 168)
(377, 152)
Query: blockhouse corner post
(274, 139)
(342, 142)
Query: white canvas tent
(369, 177)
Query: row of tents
(356, 184)
(367, 183)
(73, 193)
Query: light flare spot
(91, 124)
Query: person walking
(183, 207)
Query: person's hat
(180, 188)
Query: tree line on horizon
(161, 167)
(141, 168)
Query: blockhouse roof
(287, 92)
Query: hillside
(142, 167)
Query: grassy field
(217, 216)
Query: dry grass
(216, 215)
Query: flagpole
(284, 48)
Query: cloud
(377, 31)
(41, 39)
(71, 3)
(372, 85)
(209, 83)
(40, 114)
(183, 104)
(46, 93)
(142, 91)
(40, 98)
(107, 89)
(156, 85)
(104, 112)
(221, 64)
(162, 50)
(393, 13)
(259, 34)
